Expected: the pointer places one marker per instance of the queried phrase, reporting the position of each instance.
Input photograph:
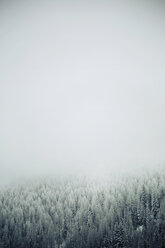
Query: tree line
(81, 213)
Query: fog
(82, 86)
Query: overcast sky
(82, 85)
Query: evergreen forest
(76, 212)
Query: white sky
(82, 85)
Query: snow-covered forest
(81, 212)
(82, 96)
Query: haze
(81, 86)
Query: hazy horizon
(81, 86)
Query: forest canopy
(78, 212)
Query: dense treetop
(77, 212)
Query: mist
(81, 86)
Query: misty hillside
(82, 96)
(74, 212)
